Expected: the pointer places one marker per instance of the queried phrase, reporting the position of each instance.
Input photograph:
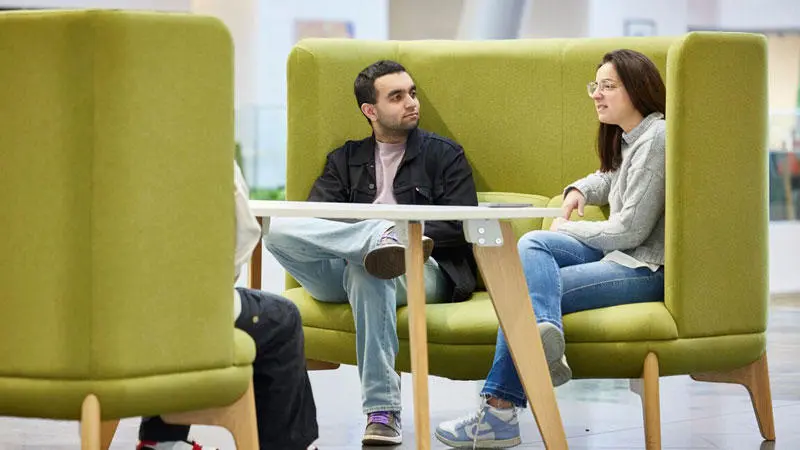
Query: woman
(585, 265)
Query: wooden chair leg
(313, 364)
(647, 388)
(90, 423)
(238, 418)
(107, 430)
(755, 378)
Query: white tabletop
(275, 208)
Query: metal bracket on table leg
(484, 232)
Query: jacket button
(372, 185)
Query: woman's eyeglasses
(605, 86)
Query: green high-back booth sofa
(520, 110)
(117, 238)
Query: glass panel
(784, 165)
(261, 139)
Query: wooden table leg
(417, 334)
(505, 282)
(255, 262)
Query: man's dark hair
(364, 87)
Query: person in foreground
(285, 409)
(363, 263)
(586, 265)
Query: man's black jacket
(434, 171)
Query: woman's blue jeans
(566, 276)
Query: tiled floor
(597, 414)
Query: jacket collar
(365, 153)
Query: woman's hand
(574, 199)
(557, 223)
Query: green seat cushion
(124, 397)
(474, 321)
(675, 356)
(623, 323)
(587, 359)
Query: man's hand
(574, 199)
(557, 223)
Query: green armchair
(520, 110)
(116, 155)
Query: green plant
(278, 193)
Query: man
(285, 408)
(363, 262)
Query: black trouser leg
(287, 415)
(155, 429)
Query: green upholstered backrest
(520, 110)
(717, 216)
(116, 150)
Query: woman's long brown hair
(647, 93)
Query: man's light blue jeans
(326, 258)
(566, 276)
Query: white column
(490, 19)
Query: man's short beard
(400, 127)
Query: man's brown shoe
(388, 259)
